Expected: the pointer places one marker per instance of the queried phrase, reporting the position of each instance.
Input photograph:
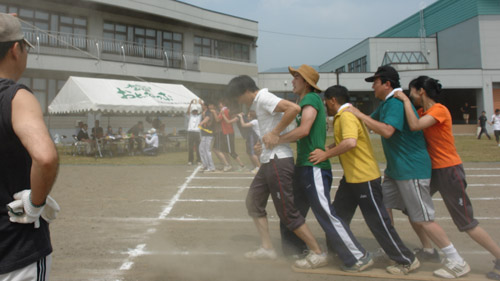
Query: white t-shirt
(495, 119)
(255, 127)
(152, 140)
(264, 105)
(193, 122)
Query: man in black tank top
(28, 166)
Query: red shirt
(227, 128)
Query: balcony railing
(74, 45)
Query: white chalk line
(241, 200)
(275, 219)
(139, 249)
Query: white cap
(152, 131)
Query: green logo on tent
(134, 91)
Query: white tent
(81, 94)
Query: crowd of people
(421, 160)
(210, 128)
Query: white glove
(51, 209)
(22, 210)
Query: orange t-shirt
(439, 138)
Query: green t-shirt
(317, 134)
(405, 151)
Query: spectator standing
(228, 134)
(194, 117)
(466, 112)
(495, 121)
(252, 136)
(28, 166)
(207, 127)
(481, 123)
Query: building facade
(158, 41)
(454, 41)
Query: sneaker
(209, 171)
(227, 168)
(255, 170)
(495, 273)
(362, 264)
(312, 260)
(261, 254)
(240, 169)
(190, 163)
(452, 269)
(403, 269)
(427, 257)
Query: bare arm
(318, 155)
(204, 121)
(28, 124)
(243, 123)
(308, 116)
(381, 128)
(290, 110)
(414, 123)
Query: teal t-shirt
(317, 134)
(405, 151)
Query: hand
(400, 96)
(317, 156)
(353, 110)
(22, 210)
(51, 209)
(257, 148)
(270, 140)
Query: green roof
(442, 15)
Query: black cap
(386, 71)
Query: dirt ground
(176, 223)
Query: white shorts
(413, 197)
(37, 271)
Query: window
(358, 65)
(172, 46)
(221, 49)
(202, 46)
(404, 58)
(38, 23)
(340, 69)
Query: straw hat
(308, 73)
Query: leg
(370, 200)
(263, 229)
(190, 147)
(339, 234)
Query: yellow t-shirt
(359, 163)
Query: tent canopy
(81, 94)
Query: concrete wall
(460, 46)
(489, 30)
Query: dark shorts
(230, 147)
(497, 134)
(275, 179)
(451, 184)
(220, 142)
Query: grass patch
(469, 148)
